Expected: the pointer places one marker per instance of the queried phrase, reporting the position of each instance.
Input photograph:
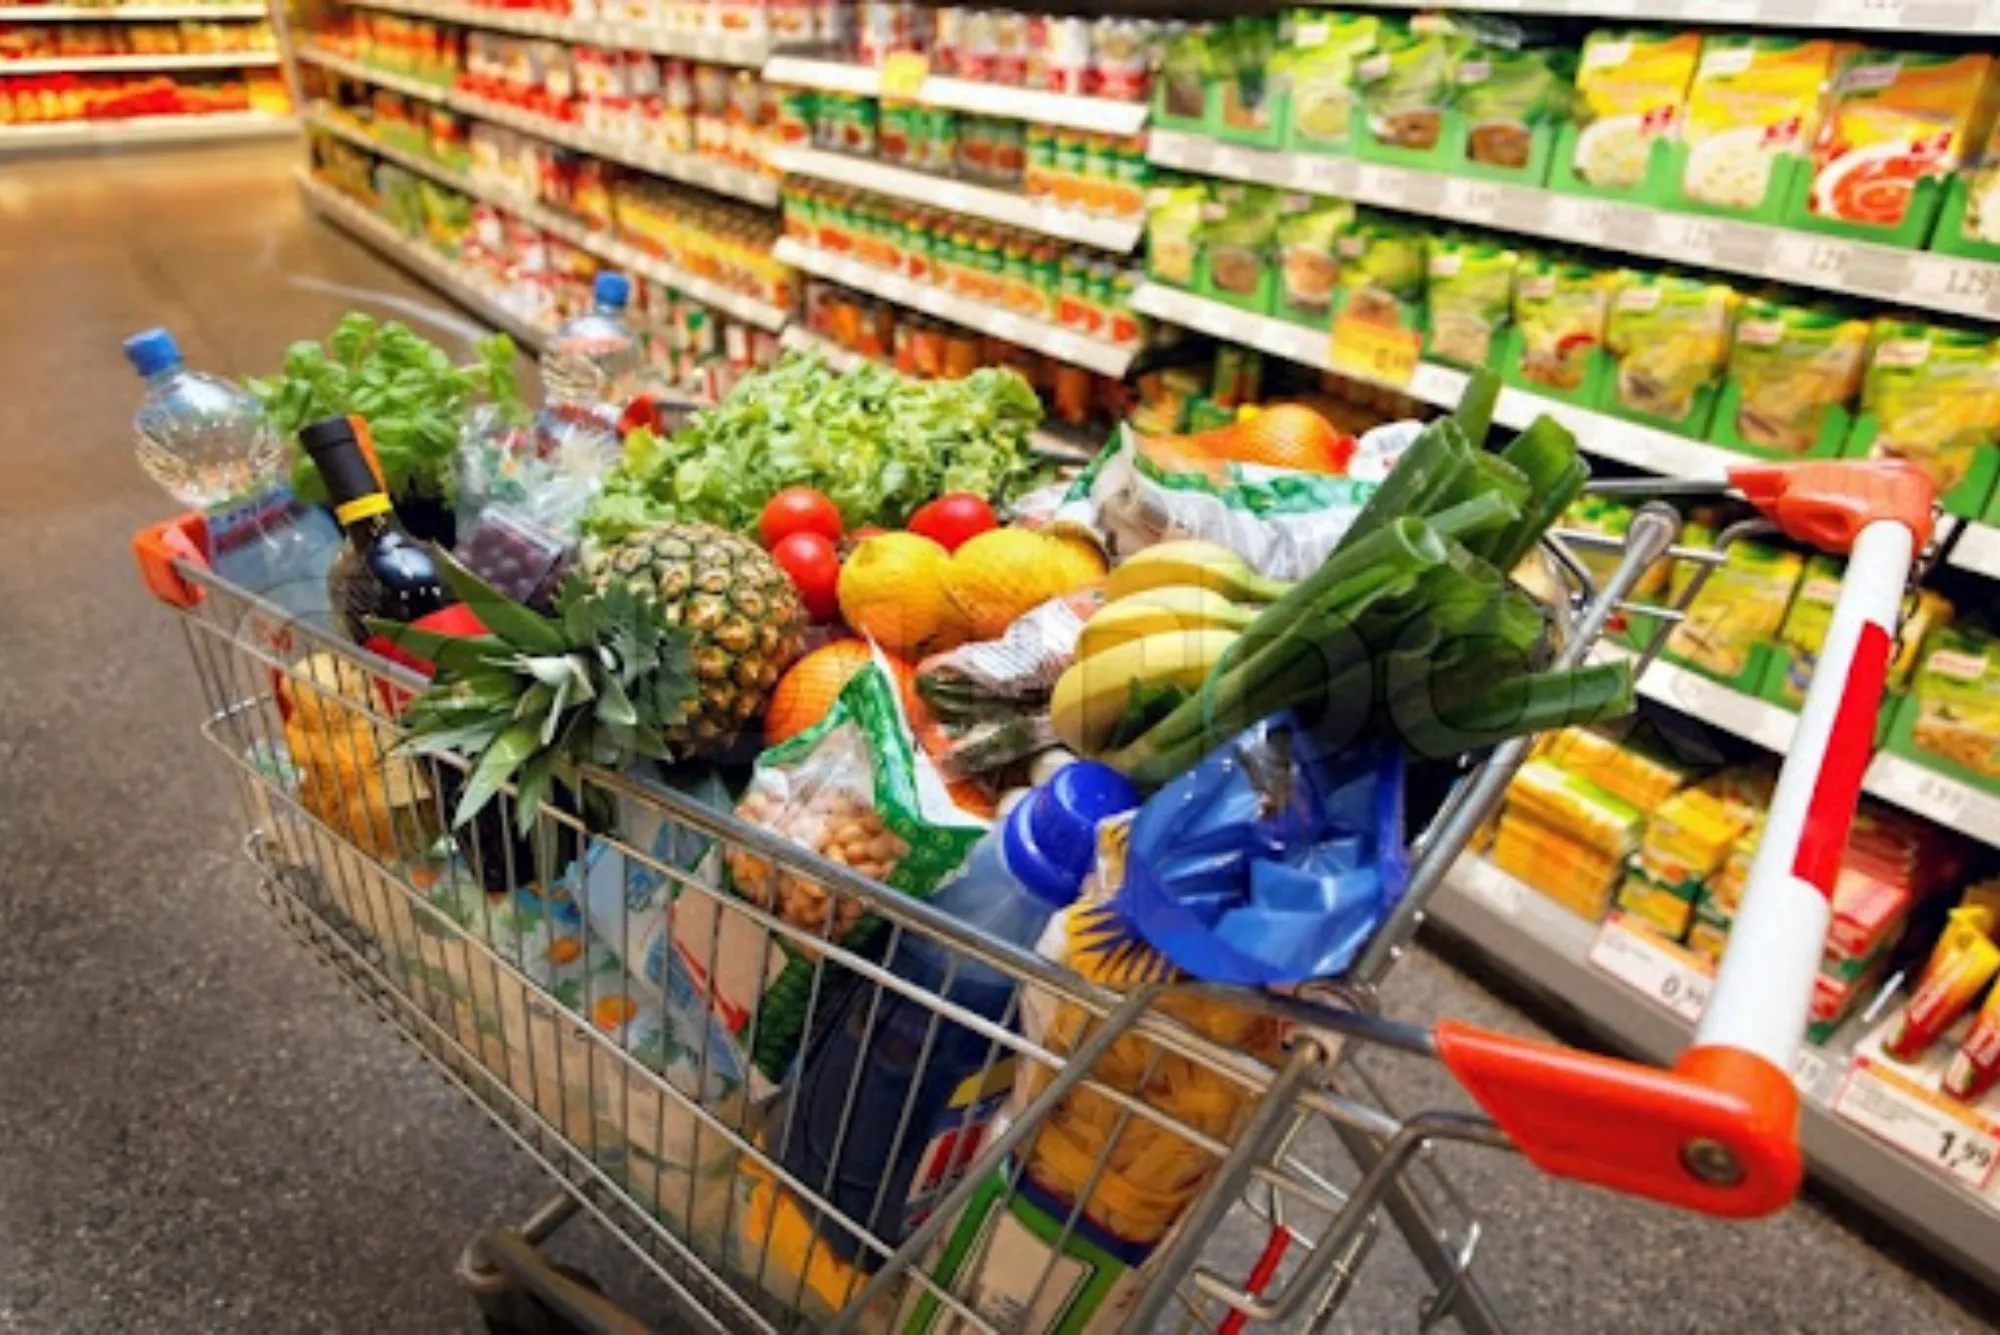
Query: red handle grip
(158, 546)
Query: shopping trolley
(527, 1005)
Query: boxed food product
(1470, 295)
(1688, 836)
(1898, 118)
(1317, 67)
(1955, 694)
(1631, 90)
(1560, 307)
(1543, 856)
(1755, 103)
(1932, 394)
(1794, 371)
(1868, 914)
(1835, 999)
(1737, 610)
(1622, 769)
(1668, 335)
(1668, 907)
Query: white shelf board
(356, 219)
(1978, 549)
(206, 60)
(692, 43)
(407, 85)
(1971, 17)
(1544, 947)
(1934, 795)
(624, 256)
(122, 13)
(1856, 268)
(138, 130)
(1066, 345)
(1118, 235)
(1102, 115)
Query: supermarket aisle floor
(197, 1131)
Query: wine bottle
(383, 572)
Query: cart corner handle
(161, 548)
(1827, 504)
(1718, 1133)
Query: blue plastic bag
(1271, 861)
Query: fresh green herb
(412, 395)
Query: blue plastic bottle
(211, 446)
(916, 1118)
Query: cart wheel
(516, 1311)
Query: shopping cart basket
(538, 1008)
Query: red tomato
(814, 567)
(952, 520)
(798, 510)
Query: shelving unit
(1909, 278)
(1967, 17)
(1543, 946)
(1978, 550)
(407, 85)
(1063, 344)
(207, 60)
(140, 130)
(721, 48)
(1102, 115)
(125, 13)
(748, 309)
(1117, 235)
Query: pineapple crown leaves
(537, 696)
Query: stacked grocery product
(28, 41)
(1110, 57)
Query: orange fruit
(810, 686)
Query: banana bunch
(1171, 613)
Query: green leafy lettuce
(411, 393)
(877, 443)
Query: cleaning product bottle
(893, 1101)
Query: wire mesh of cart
(1147, 1157)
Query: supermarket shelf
(1063, 344)
(717, 176)
(1857, 268)
(1934, 795)
(1103, 115)
(1976, 17)
(1001, 206)
(1047, 444)
(142, 130)
(1978, 549)
(613, 251)
(407, 85)
(356, 219)
(207, 60)
(1547, 949)
(721, 48)
(1601, 434)
(120, 13)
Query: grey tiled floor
(198, 1132)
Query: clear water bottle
(595, 359)
(211, 447)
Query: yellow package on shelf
(1643, 779)
(1544, 857)
(1665, 906)
(1689, 836)
(1581, 810)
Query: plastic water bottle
(595, 359)
(209, 444)
(1029, 866)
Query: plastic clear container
(595, 359)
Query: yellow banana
(1173, 607)
(1208, 565)
(1091, 695)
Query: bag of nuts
(855, 788)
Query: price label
(1380, 354)
(1477, 200)
(1927, 1126)
(1674, 979)
(1326, 175)
(903, 73)
(1960, 282)
(1862, 13)
(1500, 891)
(1383, 185)
(1809, 259)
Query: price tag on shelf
(1674, 979)
(1501, 892)
(903, 73)
(1808, 259)
(1470, 200)
(1957, 282)
(1380, 354)
(1861, 13)
(1892, 1107)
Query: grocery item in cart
(594, 361)
(1631, 90)
(1934, 394)
(1898, 118)
(1756, 102)
(382, 573)
(340, 741)
(1792, 364)
(1668, 335)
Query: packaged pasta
(1957, 695)
(1631, 88)
(1791, 365)
(1756, 100)
(1560, 307)
(1308, 267)
(1510, 80)
(1934, 393)
(1470, 293)
(1668, 335)
(1317, 65)
(1897, 118)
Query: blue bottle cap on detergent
(1050, 838)
(611, 289)
(152, 351)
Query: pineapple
(744, 620)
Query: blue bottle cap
(611, 289)
(1050, 839)
(152, 351)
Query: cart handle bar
(1718, 1132)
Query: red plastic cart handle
(1719, 1132)
(158, 546)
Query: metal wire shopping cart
(536, 1009)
